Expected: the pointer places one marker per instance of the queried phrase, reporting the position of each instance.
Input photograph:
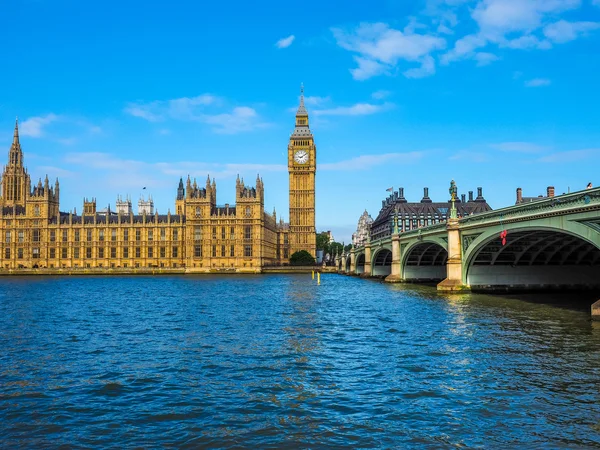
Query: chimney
(463, 198)
(426, 198)
(401, 195)
(550, 191)
(479, 193)
(470, 196)
(519, 196)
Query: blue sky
(113, 96)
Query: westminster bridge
(550, 243)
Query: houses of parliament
(202, 236)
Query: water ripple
(279, 362)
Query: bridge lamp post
(453, 191)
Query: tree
(302, 258)
(335, 248)
(323, 241)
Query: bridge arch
(381, 264)
(348, 264)
(546, 256)
(360, 263)
(339, 264)
(424, 261)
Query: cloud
(196, 109)
(380, 95)
(285, 42)
(477, 157)
(519, 147)
(497, 18)
(366, 161)
(464, 48)
(368, 68)
(484, 58)
(316, 101)
(55, 171)
(427, 68)
(519, 25)
(538, 82)
(571, 156)
(128, 168)
(242, 118)
(34, 126)
(358, 109)
(379, 48)
(563, 31)
(184, 108)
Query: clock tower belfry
(302, 166)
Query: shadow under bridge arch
(382, 263)
(425, 262)
(360, 264)
(535, 259)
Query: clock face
(301, 156)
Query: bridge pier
(396, 275)
(352, 262)
(368, 270)
(453, 281)
(596, 311)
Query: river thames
(277, 361)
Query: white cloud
(485, 58)
(133, 168)
(464, 48)
(563, 31)
(381, 94)
(34, 126)
(285, 42)
(366, 161)
(427, 68)
(477, 157)
(379, 48)
(517, 24)
(194, 109)
(496, 18)
(538, 82)
(184, 108)
(316, 101)
(368, 68)
(520, 147)
(358, 109)
(242, 118)
(527, 42)
(571, 156)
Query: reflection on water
(277, 361)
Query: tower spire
(16, 133)
(301, 109)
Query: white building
(124, 206)
(363, 230)
(146, 206)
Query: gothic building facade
(202, 236)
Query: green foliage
(335, 248)
(302, 258)
(322, 241)
(348, 247)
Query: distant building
(330, 237)
(124, 206)
(146, 206)
(362, 230)
(521, 199)
(413, 215)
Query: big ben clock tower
(302, 165)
